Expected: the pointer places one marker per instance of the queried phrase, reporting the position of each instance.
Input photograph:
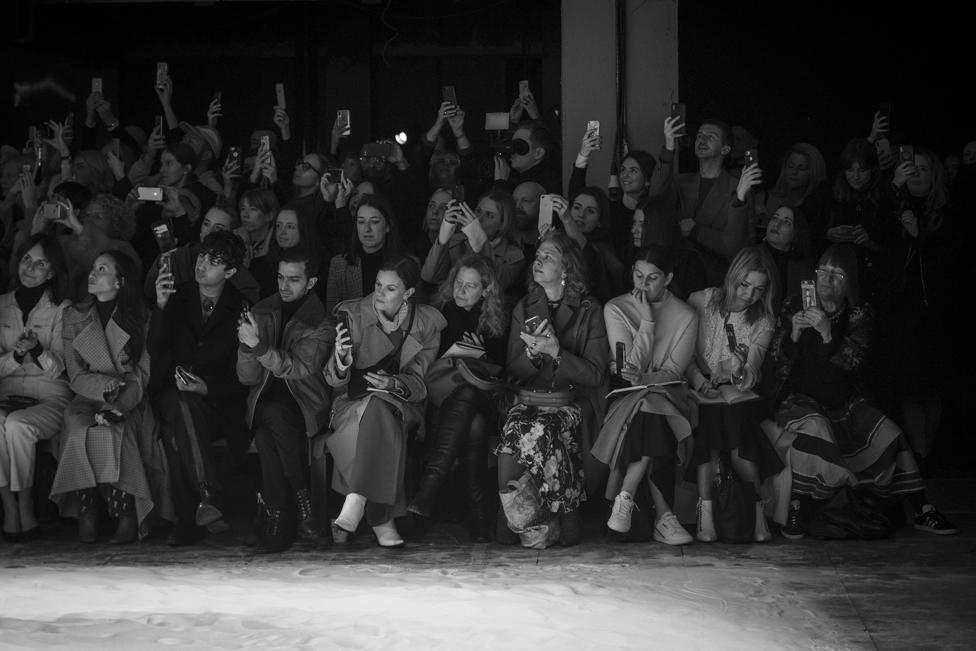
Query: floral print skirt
(545, 441)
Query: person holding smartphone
(193, 327)
(735, 325)
(558, 354)
(285, 341)
(824, 414)
(384, 345)
(647, 430)
(786, 240)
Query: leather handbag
(546, 397)
(448, 373)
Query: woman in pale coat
(384, 345)
(108, 367)
(33, 387)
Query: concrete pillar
(589, 44)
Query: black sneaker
(934, 522)
(794, 528)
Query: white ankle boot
(706, 524)
(387, 535)
(762, 529)
(352, 512)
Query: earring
(563, 280)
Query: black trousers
(279, 435)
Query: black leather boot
(122, 505)
(309, 526)
(207, 510)
(476, 461)
(453, 422)
(274, 537)
(87, 516)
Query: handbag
(358, 387)
(546, 397)
(448, 373)
(733, 506)
(851, 514)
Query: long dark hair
(862, 152)
(130, 311)
(392, 246)
(58, 284)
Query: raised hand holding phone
(343, 341)
(247, 329)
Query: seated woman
(587, 220)
(384, 345)
(643, 429)
(735, 324)
(33, 389)
(835, 437)
(353, 275)
(108, 367)
(489, 230)
(557, 348)
(468, 414)
(787, 241)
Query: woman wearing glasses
(833, 434)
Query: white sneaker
(762, 529)
(619, 520)
(706, 524)
(669, 531)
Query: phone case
(448, 95)
(593, 126)
(280, 95)
(808, 292)
(545, 212)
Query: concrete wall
(589, 75)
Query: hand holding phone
(448, 95)
(545, 213)
(162, 72)
(750, 157)
(280, 95)
(730, 335)
(808, 293)
(530, 324)
(343, 125)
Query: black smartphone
(164, 263)
(245, 309)
(234, 154)
(448, 95)
(730, 333)
(680, 111)
(620, 349)
(164, 236)
(906, 153)
(334, 174)
(112, 416)
(377, 150)
(884, 108)
(343, 318)
(750, 157)
(158, 124)
(531, 324)
(217, 96)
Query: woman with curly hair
(468, 415)
(558, 353)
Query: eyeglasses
(831, 274)
(471, 287)
(305, 166)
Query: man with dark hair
(285, 342)
(715, 207)
(534, 157)
(195, 392)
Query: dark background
(800, 72)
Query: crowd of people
(175, 304)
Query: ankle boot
(453, 422)
(122, 505)
(87, 516)
(274, 538)
(309, 525)
(477, 462)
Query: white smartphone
(593, 127)
(343, 118)
(149, 194)
(545, 213)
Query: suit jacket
(306, 345)
(722, 228)
(178, 335)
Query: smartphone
(593, 127)
(52, 211)
(730, 333)
(680, 111)
(265, 144)
(96, 84)
(496, 121)
(545, 212)
(377, 149)
(750, 157)
(162, 71)
(164, 263)
(245, 310)
(884, 108)
(531, 324)
(234, 154)
(906, 153)
(218, 96)
(343, 318)
(808, 292)
(620, 349)
(448, 95)
(149, 194)
(524, 88)
(280, 95)
(112, 416)
(69, 120)
(342, 118)
(164, 236)
(158, 124)
(334, 174)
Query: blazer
(43, 378)
(722, 225)
(306, 345)
(178, 335)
